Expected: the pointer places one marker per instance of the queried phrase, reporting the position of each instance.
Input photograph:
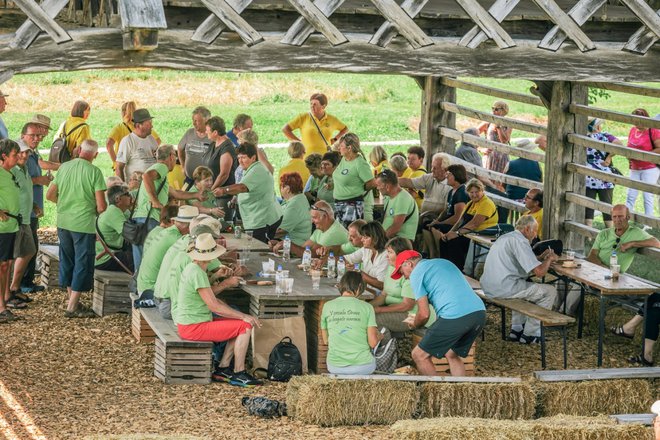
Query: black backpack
(284, 361)
(59, 151)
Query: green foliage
(596, 94)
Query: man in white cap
(4, 134)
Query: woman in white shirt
(371, 256)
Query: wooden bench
(178, 361)
(598, 374)
(111, 294)
(442, 365)
(49, 263)
(413, 378)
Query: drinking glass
(250, 236)
(288, 285)
(316, 279)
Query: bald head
(620, 217)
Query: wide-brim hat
(205, 248)
(42, 120)
(401, 258)
(186, 214)
(212, 225)
(141, 115)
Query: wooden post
(558, 180)
(434, 117)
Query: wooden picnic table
(597, 278)
(243, 244)
(482, 244)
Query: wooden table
(594, 276)
(243, 245)
(482, 244)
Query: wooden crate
(183, 364)
(317, 351)
(441, 365)
(236, 298)
(140, 328)
(49, 266)
(111, 294)
(266, 309)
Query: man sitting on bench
(508, 265)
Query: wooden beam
(487, 23)
(28, 31)
(433, 117)
(5, 75)
(39, 17)
(411, 378)
(497, 146)
(234, 21)
(402, 21)
(621, 180)
(645, 14)
(588, 202)
(319, 21)
(566, 23)
(143, 14)
(301, 29)
(499, 11)
(611, 115)
(509, 204)
(630, 153)
(489, 117)
(581, 12)
(387, 31)
(492, 91)
(642, 40)
(212, 27)
(499, 177)
(598, 374)
(634, 89)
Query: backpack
(284, 361)
(59, 152)
(264, 407)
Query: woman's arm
(261, 155)
(232, 190)
(225, 168)
(372, 281)
(220, 308)
(370, 184)
(110, 146)
(324, 334)
(405, 306)
(289, 133)
(458, 212)
(373, 336)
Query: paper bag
(271, 333)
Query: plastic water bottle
(332, 266)
(278, 280)
(286, 249)
(614, 260)
(307, 259)
(341, 268)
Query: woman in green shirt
(352, 179)
(203, 180)
(348, 327)
(115, 256)
(297, 220)
(326, 187)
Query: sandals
(21, 296)
(640, 360)
(15, 303)
(618, 331)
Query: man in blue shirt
(461, 313)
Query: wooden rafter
(43, 20)
(566, 23)
(642, 40)
(581, 12)
(387, 31)
(319, 21)
(212, 27)
(232, 19)
(489, 25)
(28, 31)
(499, 11)
(301, 29)
(645, 14)
(402, 21)
(6, 75)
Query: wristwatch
(226, 189)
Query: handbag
(134, 232)
(385, 354)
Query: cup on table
(287, 284)
(249, 235)
(266, 267)
(615, 271)
(316, 278)
(240, 262)
(570, 255)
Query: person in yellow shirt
(123, 129)
(297, 163)
(316, 127)
(75, 128)
(534, 204)
(399, 165)
(378, 159)
(416, 165)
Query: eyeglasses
(616, 243)
(316, 208)
(497, 108)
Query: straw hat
(42, 120)
(206, 249)
(186, 214)
(213, 226)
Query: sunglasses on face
(316, 208)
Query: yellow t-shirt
(295, 166)
(484, 207)
(77, 136)
(418, 195)
(538, 216)
(176, 177)
(384, 165)
(407, 173)
(309, 134)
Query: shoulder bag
(134, 232)
(325, 141)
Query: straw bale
(327, 402)
(292, 388)
(589, 398)
(484, 400)
(588, 428)
(452, 428)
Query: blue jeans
(76, 260)
(137, 250)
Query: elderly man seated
(534, 204)
(434, 186)
(508, 265)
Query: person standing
(496, 160)
(123, 129)
(600, 161)
(136, 151)
(195, 143)
(241, 122)
(75, 128)
(9, 224)
(644, 139)
(4, 133)
(221, 160)
(79, 193)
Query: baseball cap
(402, 258)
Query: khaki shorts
(24, 246)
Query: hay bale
(292, 388)
(452, 428)
(331, 402)
(483, 400)
(593, 397)
(587, 428)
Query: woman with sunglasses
(644, 139)
(326, 186)
(371, 256)
(495, 160)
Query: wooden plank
(581, 12)
(319, 21)
(145, 14)
(492, 91)
(433, 117)
(494, 175)
(212, 27)
(637, 419)
(642, 40)
(549, 318)
(634, 89)
(621, 180)
(387, 31)
(645, 14)
(301, 29)
(234, 21)
(6, 75)
(166, 331)
(597, 277)
(487, 23)
(607, 208)
(566, 23)
(497, 146)
(407, 378)
(404, 24)
(489, 117)
(499, 11)
(43, 20)
(597, 374)
(630, 153)
(611, 115)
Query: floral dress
(595, 159)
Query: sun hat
(401, 258)
(186, 214)
(207, 224)
(141, 115)
(205, 248)
(42, 120)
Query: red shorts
(218, 330)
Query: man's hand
(232, 281)
(253, 321)
(220, 191)
(321, 251)
(3, 216)
(156, 204)
(41, 180)
(625, 246)
(551, 256)
(38, 212)
(217, 212)
(275, 245)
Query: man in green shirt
(79, 193)
(110, 225)
(400, 216)
(9, 211)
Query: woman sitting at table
(203, 180)
(397, 300)
(259, 209)
(197, 303)
(326, 186)
(313, 164)
(296, 221)
(348, 327)
(479, 213)
(371, 255)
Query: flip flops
(618, 331)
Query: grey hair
(89, 146)
(164, 151)
(446, 159)
(524, 222)
(201, 110)
(398, 163)
(326, 207)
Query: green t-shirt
(25, 196)
(349, 178)
(323, 193)
(396, 290)
(143, 203)
(110, 223)
(335, 235)
(297, 221)
(314, 183)
(348, 248)
(191, 308)
(346, 319)
(155, 247)
(208, 203)
(402, 204)
(9, 201)
(77, 182)
(258, 206)
(606, 243)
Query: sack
(557, 247)
(271, 333)
(284, 361)
(497, 230)
(59, 151)
(385, 354)
(264, 407)
(134, 232)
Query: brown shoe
(80, 312)
(7, 316)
